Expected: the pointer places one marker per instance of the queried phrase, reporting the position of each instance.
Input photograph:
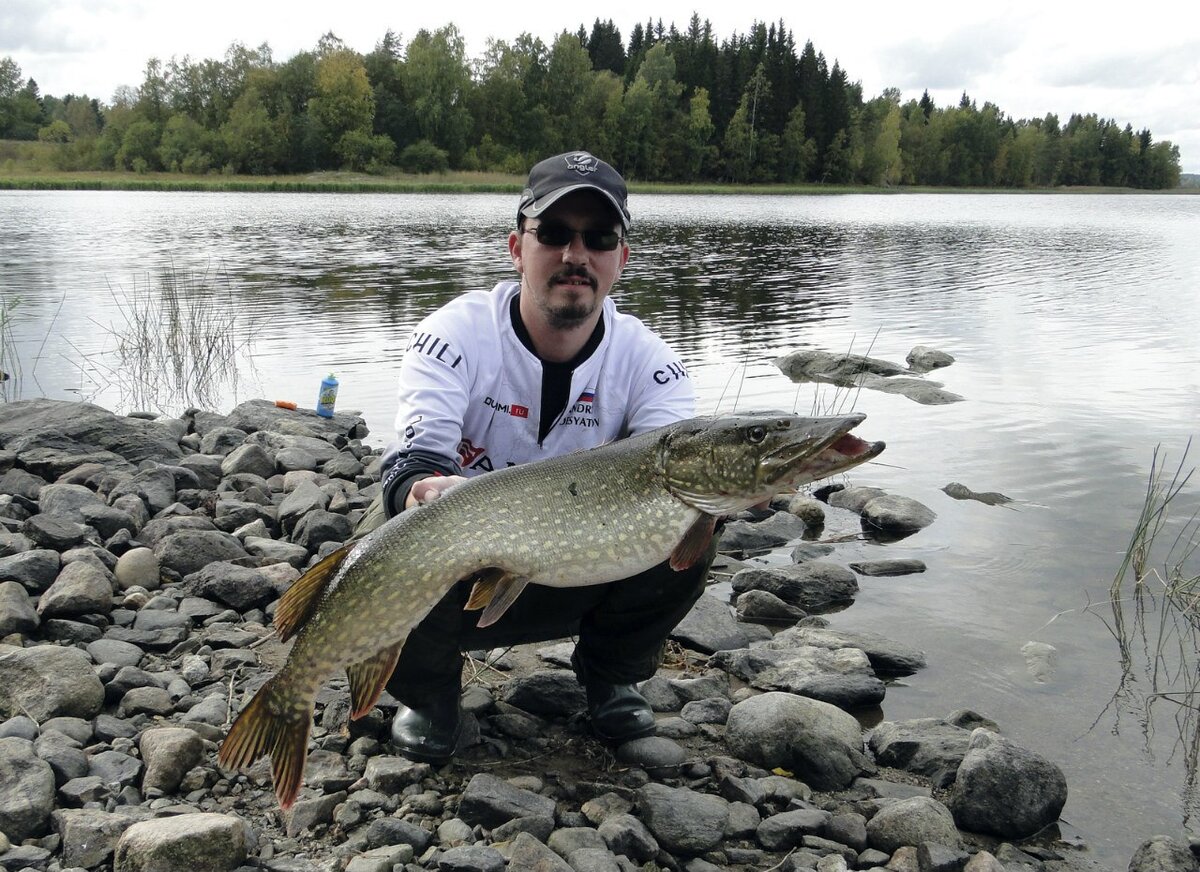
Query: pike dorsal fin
(368, 678)
(301, 599)
(694, 543)
(497, 590)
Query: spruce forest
(665, 105)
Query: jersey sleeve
(433, 395)
(661, 392)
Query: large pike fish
(585, 518)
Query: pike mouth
(803, 462)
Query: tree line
(665, 105)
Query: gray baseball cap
(557, 176)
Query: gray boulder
(776, 530)
(138, 567)
(922, 358)
(1004, 789)
(238, 587)
(196, 842)
(786, 830)
(47, 681)
(34, 570)
(852, 499)
(26, 790)
(1163, 854)
(841, 677)
(17, 614)
(710, 626)
(761, 607)
(818, 742)
(896, 566)
(490, 801)
(305, 498)
(891, 513)
(887, 656)
(20, 483)
(317, 528)
(811, 586)
(682, 820)
(82, 588)
(249, 458)
(910, 822)
(82, 427)
(90, 835)
(188, 551)
(67, 501)
(930, 747)
(155, 487)
(254, 415)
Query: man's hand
(427, 490)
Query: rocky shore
(141, 560)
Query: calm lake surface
(1074, 321)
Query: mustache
(575, 272)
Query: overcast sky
(1136, 64)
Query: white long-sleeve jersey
(470, 391)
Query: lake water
(1074, 321)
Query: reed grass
(181, 344)
(1154, 618)
(10, 363)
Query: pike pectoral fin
(694, 543)
(368, 678)
(484, 587)
(300, 601)
(497, 590)
(260, 730)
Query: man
(537, 368)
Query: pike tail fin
(260, 729)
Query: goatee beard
(570, 315)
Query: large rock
(34, 570)
(89, 835)
(17, 614)
(887, 656)
(1163, 854)
(155, 487)
(26, 790)
(82, 427)
(48, 681)
(490, 801)
(818, 742)
(891, 513)
(195, 842)
(812, 586)
(249, 458)
(911, 822)
(254, 415)
(930, 747)
(82, 588)
(238, 587)
(1006, 790)
(169, 752)
(68, 501)
(710, 626)
(682, 820)
(191, 550)
(840, 677)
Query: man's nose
(575, 251)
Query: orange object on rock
(285, 404)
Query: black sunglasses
(556, 235)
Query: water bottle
(327, 397)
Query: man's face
(568, 282)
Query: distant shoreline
(465, 183)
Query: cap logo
(582, 162)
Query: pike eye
(756, 434)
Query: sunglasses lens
(558, 235)
(554, 234)
(601, 240)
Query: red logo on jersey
(518, 411)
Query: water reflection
(1072, 321)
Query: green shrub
(424, 157)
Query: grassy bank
(446, 183)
